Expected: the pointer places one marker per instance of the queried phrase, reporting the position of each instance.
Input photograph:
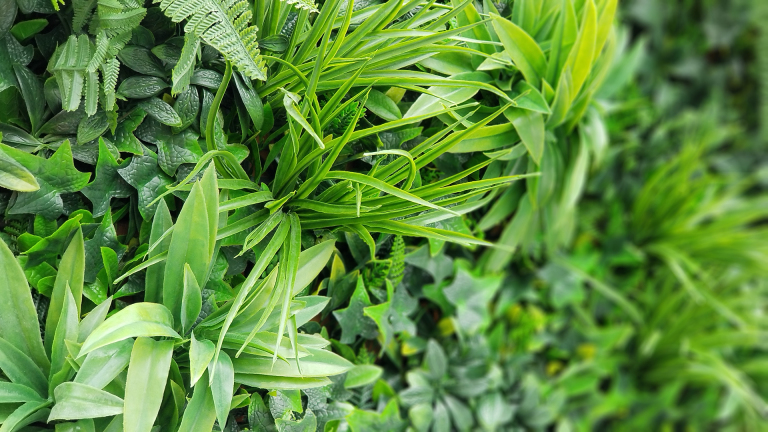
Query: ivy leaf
(392, 315)
(123, 137)
(144, 174)
(471, 295)
(352, 320)
(107, 183)
(105, 236)
(56, 175)
(49, 248)
(177, 149)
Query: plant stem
(209, 141)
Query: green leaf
(351, 319)
(582, 55)
(187, 106)
(530, 128)
(145, 384)
(251, 100)
(56, 175)
(107, 183)
(105, 236)
(14, 176)
(20, 327)
(191, 301)
(185, 67)
(136, 320)
(311, 262)
(32, 91)
(189, 245)
(69, 278)
(66, 330)
(78, 401)
(281, 383)
(141, 87)
(451, 95)
(320, 363)
(20, 369)
(522, 48)
(200, 413)
(200, 355)
(289, 102)
(103, 365)
(161, 111)
(381, 105)
(161, 223)
(94, 319)
(362, 375)
(222, 385)
(146, 177)
(17, 393)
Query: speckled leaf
(144, 175)
(178, 149)
(161, 111)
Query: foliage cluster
(370, 215)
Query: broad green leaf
(321, 363)
(94, 319)
(487, 138)
(191, 301)
(26, 414)
(161, 223)
(582, 55)
(381, 105)
(523, 49)
(136, 320)
(104, 364)
(144, 174)
(32, 91)
(189, 245)
(311, 262)
(200, 413)
(161, 111)
(71, 274)
(107, 183)
(14, 176)
(66, 330)
(145, 384)
(530, 128)
(222, 385)
(351, 319)
(78, 401)
(20, 369)
(17, 393)
(200, 355)
(362, 375)
(429, 104)
(281, 383)
(55, 175)
(18, 316)
(251, 100)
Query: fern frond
(68, 66)
(184, 68)
(224, 26)
(100, 52)
(91, 93)
(303, 4)
(109, 71)
(82, 12)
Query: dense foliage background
(383, 215)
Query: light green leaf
(191, 301)
(17, 315)
(200, 413)
(222, 385)
(321, 363)
(14, 176)
(71, 274)
(200, 355)
(136, 320)
(362, 375)
(102, 365)
(530, 128)
(189, 245)
(66, 330)
(381, 105)
(582, 55)
(523, 49)
(78, 401)
(145, 384)
(17, 393)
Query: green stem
(210, 142)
